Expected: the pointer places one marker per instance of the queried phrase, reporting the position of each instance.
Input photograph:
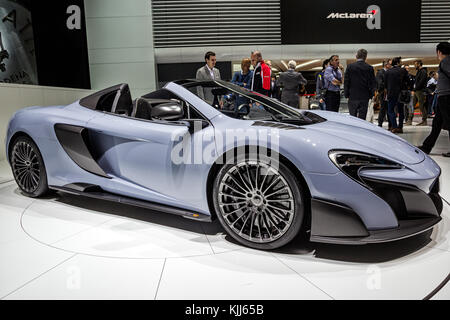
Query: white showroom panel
(443, 294)
(5, 172)
(87, 277)
(137, 75)
(18, 96)
(413, 276)
(31, 96)
(8, 105)
(120, 55)
(116, 8)
(21, 258)
(120, 44)
(242, 274)
(121, 32)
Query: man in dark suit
(359, 85)
(442, 117)
(419, 90)
(396, 81)
(291, 81)
(381, 92)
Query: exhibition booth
(99, 101)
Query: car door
(143, 159)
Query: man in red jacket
(261, 74)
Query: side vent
(73, 139)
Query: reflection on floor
(66, 247)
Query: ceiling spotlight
(409, 59)
(306, 63)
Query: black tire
(28, 167)
(266, 218)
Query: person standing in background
(409, 107)
(359, 85)
(333, 82)
(382, 95)
(274, 88)
(291, 81)
(320, 85)
(419, 90)
(261, 74)
(431, 88)
(442, 117)
(208, 72)
(396, 82)
(244, 77)
(435, 96)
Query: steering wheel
(242, 106)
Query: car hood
(354, 134)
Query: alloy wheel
(26, 166)
(256, 202)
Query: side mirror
(195, 124)
(168, 111)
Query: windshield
(238, 102)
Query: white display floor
(69, 247)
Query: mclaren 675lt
(211, 149)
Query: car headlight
(351, 162)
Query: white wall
(16, 96)
(120, 44)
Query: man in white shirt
(208, 72)
(431, 88)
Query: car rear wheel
(259, 204)
(28, 167)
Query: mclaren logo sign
(336, 15)
(373, 16)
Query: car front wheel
(259, 203)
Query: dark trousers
(290, 98)
(429, 102)
(419, 95)
(358, 108)
(392, 103)
(440, 121)
(333, 100)
(383, 112)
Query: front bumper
(394, 210)
(337, 224)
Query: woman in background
(244, 77)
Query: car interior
(158, 105)
(222, 99)
(161, 105)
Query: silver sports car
(210, 149)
